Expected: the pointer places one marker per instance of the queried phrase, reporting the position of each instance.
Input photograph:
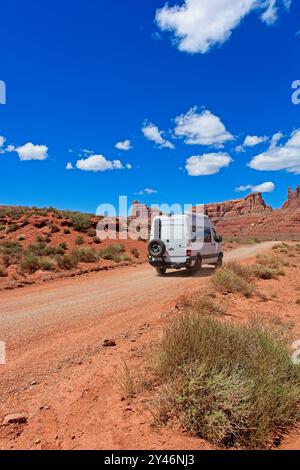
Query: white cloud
(151, 132)
(267, 187)
(280, 157)
(276, 138)
(201, 128)
(148, 191)
(125, 145)
(10, 148)
(198, 25)
(2, 141)
(253, 140)
(98, 163)
(69, 166)
(30, 151)
(207, 164)
(128, 166)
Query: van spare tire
(156, 248)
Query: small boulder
(108, 343)
(20, 418)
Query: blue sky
(84, 76)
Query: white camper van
(184, 241)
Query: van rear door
(174, 234)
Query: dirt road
(52, 327)
(60, 319)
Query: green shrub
(113, 252)
(3, 272)
(85, 255)
(227, 280)
(80, 222)
(47, 265)
(67, 262)
(21, 238)
(54, 228)
(12, 228)
(30, 263)
(11, 252)
(2, 227)
(79, 240)
(234, 385)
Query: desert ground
(68, 340)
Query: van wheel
(198, 265)
(219, 263)
(161, 271)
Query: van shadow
(204, 272)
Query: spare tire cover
(156, 248)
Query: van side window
(207, 235)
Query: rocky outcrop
(293, 201)
(251, 204)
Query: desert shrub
(11, 252)
(12, 228)
(228, 280)
(112, 252)
(85, 255)
(47, 264)
(97, 241)
(54, 228)
(268, 267)
(206, 305)
(30, 263)
(79, 240)
(67, 262)
(135, 252)
(67, 231)
(91, 232)
(63, 246)
(3, 272)
(124, 257)
(234, 385)
(39, 248)
(39, 239)
(80, 222)
(2, 227)
(264, 272)
(21, 238)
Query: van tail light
(189, 253)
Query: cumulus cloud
(69, 166)
(2, 141)
(125, 145)
(98, 163)
(280, 157)
(198, 25)
(267, 187)
(151, 132)
(202, 128)
(148, 191)
(30, 151)
(253, 140)
(207, 164)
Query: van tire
(197, 266)
(219, 263)
(161, 271)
